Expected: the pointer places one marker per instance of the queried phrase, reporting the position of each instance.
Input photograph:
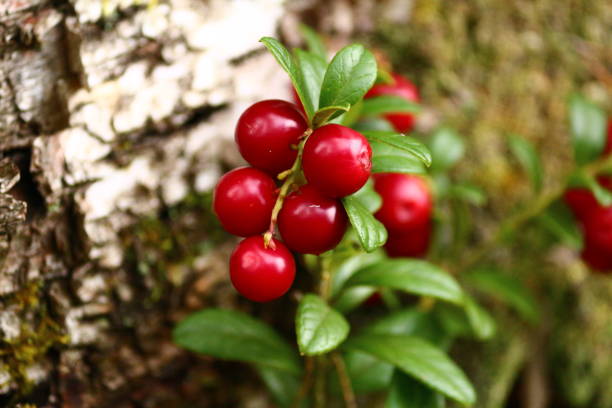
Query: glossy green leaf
(312, 68)
(368, 197)
(505, 288)
(588, 127)
(350, 74)
(420, 360)
(410, 321)
(313, 41)
(351, 298)
(394, 141)
(559, 220)
(372, 234)
(367, 373)
(528, 157)
(319, 328)
(233, 335)
(323, 115)
(447, 148)
(372, 123)
(283, 386)
(381, 105)
(288, 63)
(406, 392)
(396, 163)
(410, 275)
(345, 269)
(481, 321)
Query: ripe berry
(266, 132)
(406, 201)
(311, 223)
(598, 229)
(337, 160)
(597, 259)
(243, 201)
(261, 274)
(297, 101)
(580, 200)
(402, 87)
(412, 243)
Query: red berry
(243, 201)
(296, 99)
(580, 200)
(597, 259)
(402, 122)
(261, 274)
(598, 229)
(311, 223)
(266, 132)
(337, 160)
(406, 201)
(412, 243)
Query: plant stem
(306, 383)
(320, 382)
(324, 288)
(289, 176)
(345, 381)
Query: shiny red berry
(597, 259)
(267, 134)
(580, 200)
(598, 229)
(311, 223)
(406, 201)
(337, 160)
(261, 274)
(402, 87)
(412, 243)
(243, 201)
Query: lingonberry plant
(337, 193)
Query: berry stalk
(289, 177)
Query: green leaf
(588, 127)
(447, 148)
(323, 115)
(559, 220)
(380, 105)
(406, 392)
(283, 386)
(372, 234)
(398, 141)
(319, 328)
(372, 124)
(505, 288)
(312, 68)
(529, 159)
(418, 359)
(367, 373)
(353, 297)
(287, 62)
(469, 193)
(232, 335)
(350, 74)
(602, 194)
(480, 320)
(368, 197)
(410, 321)
(313, 41)
(392, 163)
(349, 266)
(410, 275)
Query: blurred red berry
(597, 259)
(243, 201)
(267, 134)
(402, 87)
(311, 223)
(261, 274)
(598, 229)
(337, 160)
(412, 243)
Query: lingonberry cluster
(595, 219)
(320, 166)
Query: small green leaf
(406, 392)
(505, 288)
(323, 115)
(420, 360)
(529, 159)
(398, 141)
(602, 194)
(588, 126)
(381, 105)
(367, 124)
(396, 163)
(410, 275)
(368, 197)
(447, 148)
(312, 68)
(232, 335)
(372, 234)
(480, 320)
(287, 62)
(351, 298)
(367, 373)
(319, 328)
(313, 41)
(384, 77)
(283, 386)
(350, 74)
(559, 220)
(469, 193)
